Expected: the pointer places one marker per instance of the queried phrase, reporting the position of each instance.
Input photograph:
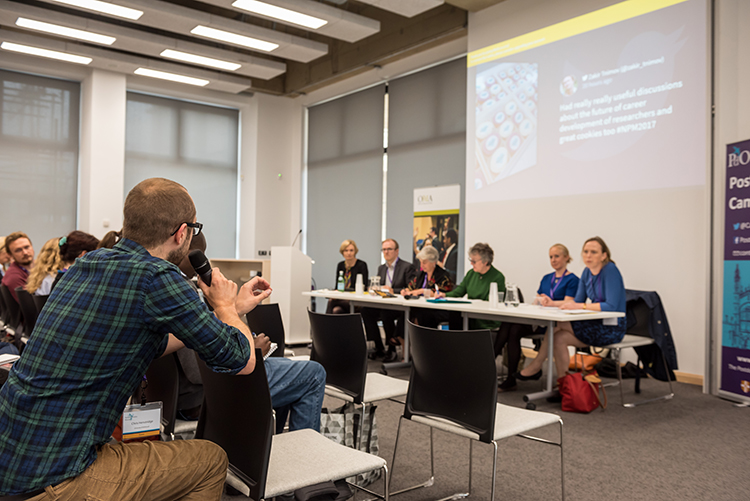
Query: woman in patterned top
(431, 278)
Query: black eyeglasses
(197, 228)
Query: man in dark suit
(449, 259)
(395, 274)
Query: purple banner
(735, 370)
(737, 212)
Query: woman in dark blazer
(350, 267)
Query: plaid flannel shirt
(104, 323)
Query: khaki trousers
(184, 469)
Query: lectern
(292, 271)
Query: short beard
(176, 256)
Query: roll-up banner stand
(735, 340)
(436, 212)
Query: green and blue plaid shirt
(104, 323)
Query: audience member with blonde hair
(48, 263)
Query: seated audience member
(449, 259)
(110, 239)
(476, 285)
(48, 263)
(54, 433)
(20, 249)
(297, 387)
(76, 244)
(4, 258)
(555, 288)
(349, 268)
(600, 289)
(394, 275)
(430, 280)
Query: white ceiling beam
(125, 63)
(406, 8)
(139, 42)
(341, 24)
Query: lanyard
(555, 283)
(424, 282)
(597, 298)
(388, 275)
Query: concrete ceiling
(357, 37)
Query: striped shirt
(105, 321)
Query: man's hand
(252, 294)
(263, 342)
(222, 292)
(386, 288)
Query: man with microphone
(105, 321)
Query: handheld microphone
(296, 237)
(201, 265)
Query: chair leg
(619, 375)
(361, 429)
(663, 397)
(431, 480)
(562, 462)
(494, 472)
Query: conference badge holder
(142, 422)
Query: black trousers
(393, 325)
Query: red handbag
(580, 393)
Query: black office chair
(40, 301)
(12, 312)
(28, 309)
(237, 415)
(266, 319)
(453, 387)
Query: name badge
(609, 321)
(142, 422)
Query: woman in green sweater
(476, 284)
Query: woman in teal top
(476, 284)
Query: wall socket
(264, 253)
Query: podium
(292, 271)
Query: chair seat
(305, 457)
(299, 357)
(377, 387)
(184, 427)
(509, 421)
(630, 341)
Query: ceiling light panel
(288, 16)
(172, 77)
(64, 31)
(50, 54)
(110, 9)
(149, 44)
(408, 8)
(234, 38)
(340, 24)
(126, 63)
(201, 60)
(178, 19)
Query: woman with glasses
(431, 279)
(476, 285)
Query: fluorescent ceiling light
(52, 54)
(234, 38)
(205, 61)
(105, 7)
(281, 13)
(171, 76)
(63, 31)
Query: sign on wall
(735, 341)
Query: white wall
(659, 238)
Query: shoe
(391, 356)
(374, 355)
(537, 375)
(507, 385)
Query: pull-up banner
(436, 211)
(735, 349)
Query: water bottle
(340, 283)
(511, 295)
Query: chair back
(237, 415)
(339, 345)
(12, 310)
(39, 301)
(28, 309)
(266, 319)
(163, 386)
(638, 316)
(4, 313)
(453, 376)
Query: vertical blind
(195, 145)
(38, 155)
(344, 181)
(426, 144)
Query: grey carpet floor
(694, 446)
